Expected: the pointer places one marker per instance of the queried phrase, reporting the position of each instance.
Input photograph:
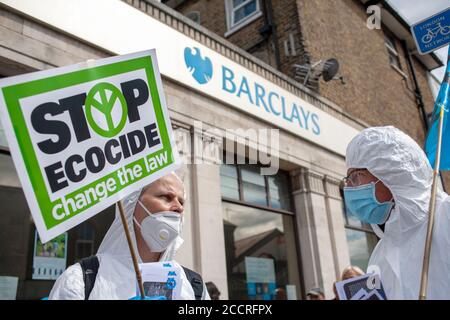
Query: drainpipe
(271, 28)
(417, 91)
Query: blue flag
(442, 101)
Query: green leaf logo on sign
(105, 107)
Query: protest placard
(84, 136)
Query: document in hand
(161, 279)
(365, 287)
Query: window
(244, 183)
(261, 254)
(239, 11)
(259, 232)
(253, 186)
(279, 191)
(229, 181)
(194, 16)
(394, 59)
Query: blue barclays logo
(263, 98)
(172, 273)
(167, 265)
(200, 68)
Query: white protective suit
(116, 278)
(399, 162)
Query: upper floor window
(392, 51)
(240, 11)
(194, 16)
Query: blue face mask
(362, 203)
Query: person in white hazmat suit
(389, 183)
(159, 203)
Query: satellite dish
(330, 69)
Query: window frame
(366, 233)
(268, 206)
(241, 186)
(389, 43)
(233, 26)
(191, 14)
(238, 178)
(364, 228)
(301, 280)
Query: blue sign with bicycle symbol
(432, 33)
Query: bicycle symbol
(433, 32)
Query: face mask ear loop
(181, 223)
(390, 200)
(135, 221)
(374, 190)
(146, 211)
(376, 228)
(145, 208)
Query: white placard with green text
(84, 136)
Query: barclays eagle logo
(200, 68)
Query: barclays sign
(261, 98)
(270, 101)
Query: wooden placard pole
(431, 210)
(130, 245)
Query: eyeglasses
(356, 178)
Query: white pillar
(185, 254)
(321, 234)
(207, 230)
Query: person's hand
(148, 298)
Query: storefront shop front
(255, 236)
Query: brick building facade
(376, 91)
